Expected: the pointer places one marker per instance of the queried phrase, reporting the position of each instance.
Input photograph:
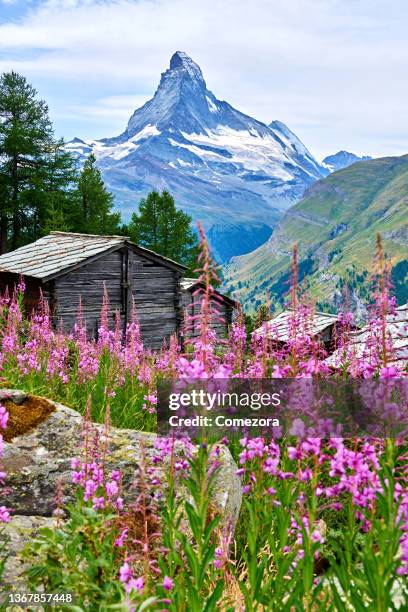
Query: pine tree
(159, 226)
(63, 210)
(34, 169)
(96, 202)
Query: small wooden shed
(360, 342)
(222, 308)
(322, 327)
(67, 266)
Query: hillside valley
(335, 227)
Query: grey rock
(16, 396)
(18, 532)
(36, 461)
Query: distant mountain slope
(335, 226)
(223, 167)
(342, 159)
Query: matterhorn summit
(231, 172)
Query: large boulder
(43, 436)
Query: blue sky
(334, 70)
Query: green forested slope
(335, 227)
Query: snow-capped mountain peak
(180, 61)
(181, 101)
(341, 160)
(222, 167)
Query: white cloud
(106, 109)
(334, 70)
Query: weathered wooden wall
(126, 274)
(221, 314)
(87, 282)
(156, 291)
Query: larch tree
(161, 227)
(34, 168)
(96, 203)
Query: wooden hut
(321, 326)
(221, 308)
(360, 342)
(67, 266)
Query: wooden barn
(66, 266)
(222, 308)
(322, 327)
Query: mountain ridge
(342, 159)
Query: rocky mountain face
(335, 226)
(342, 159)
(223, 167)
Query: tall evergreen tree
(34, 169)
(159, 226)
(63, 205)
(96, 202)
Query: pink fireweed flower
(150, 402)
(11, 336)
(98, 503)
(317, 537)
(294, 453)
(135, 583)
(133, 348)
(75, 463)
(125, 572)
(58, 358)
(78, 477)
(389, 372)
(191, 369)
(21, 287)
(145, 373)
(90, 489)
(116, 475)
(4, 512)
(126, 577)
(168, 583)
(3, 417)
(271, 465)
(106, 338)
(118, 503)
(4, 515)
(121, 539)
(151, 398)
(111, 488)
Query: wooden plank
(129, 285)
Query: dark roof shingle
(59, 251)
